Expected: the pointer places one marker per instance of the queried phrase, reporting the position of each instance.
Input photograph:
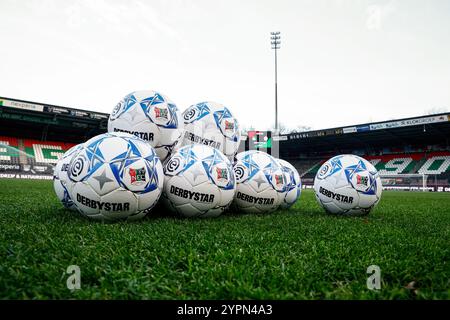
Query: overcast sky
(341, 62)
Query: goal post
(406, 181)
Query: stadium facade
(33, 136)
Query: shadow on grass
(160, 213)
(64, 215)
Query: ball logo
(161, 113)
(137, 176)
(324, 170)
(172, 165)
(229, 126)
(77, 167)
(222, 174)
(362, 180)
(278, 179)
(239, 172)
(116, 110)
(190, 114)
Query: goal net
(408, 182)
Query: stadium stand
(394, 164)
(30, 156)
(33, 136)
(45, 151)
(391, 164)
(398, 148)
(9, 150)
(436, 163)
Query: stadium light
(275, 42)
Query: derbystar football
(260, 182)
(347, 185)
(115, 176)
(199, 182)
(60, 177)
(293, 184)
(212, 124)
(150, 116)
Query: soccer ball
(199, 182)
(150, 116)
(293, 184)
(260, 182)
(212, 124)
(115, 176)
(60, 177)
(347, 185)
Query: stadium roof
(423, 130)
(49, 122)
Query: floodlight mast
(275, 42)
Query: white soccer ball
(347, 185)
(260, 182)
(115, 176)
(293, 184)
(151, 116)
(199, 182)
(212, 124)
(60, 177)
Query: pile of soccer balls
(188, 163)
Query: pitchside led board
(265, 141)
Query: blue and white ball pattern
(347, 185)
(115, 176)
(293, 184)
(261, 183)
(212, 124)
(60, 177)
(199, 182)
(151, 116)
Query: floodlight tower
(275, 42)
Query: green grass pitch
(301, 253)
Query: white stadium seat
(374, 161)
(426, 168)
(39, 155)
(396, 166)
(4, 149)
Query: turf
(300, 253)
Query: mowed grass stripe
(300, 253)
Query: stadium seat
(305, 166)
(392, 164)
(33, 151)
(395, 163)
(45, 151)
(436, 165)
(8, 149)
